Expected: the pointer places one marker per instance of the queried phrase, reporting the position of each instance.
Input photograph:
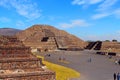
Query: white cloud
(106, 5)
(117, 13)
(86, 2)
(78, 2)
(4, 3)
(103, 4)
(74, 23)
(27, 10)
(24, 8)
(4, 19)
(95, 1)
(100, 15)
(104, 8)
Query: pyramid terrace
(17, 62)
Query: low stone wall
(20, 63)
(110, 47)
(14, 50)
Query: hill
(8, 31)
(48, 38)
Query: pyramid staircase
(94, 45)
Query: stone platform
(18, 63)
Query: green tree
(114, 40)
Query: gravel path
(100, 67)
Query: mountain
(48, 38)
(8, 31)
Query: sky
(87, 19)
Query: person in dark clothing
(118, 78)
(89, 60)
(59, 58)
(119, 62)
(115, 76)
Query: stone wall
(20, 63)
(111, 47)
(14, 52)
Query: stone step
(34, 75)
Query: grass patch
(62, 73)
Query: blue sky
(87, 19)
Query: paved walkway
(100, 67)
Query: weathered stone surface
(104, 46)
(48, 38)
(17, 62)
(110, 47)
(39, 75)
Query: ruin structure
(17, 62)
(104, 46)
(110, 47)
(48, 38)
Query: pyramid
(48, 38)
(17, 62)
